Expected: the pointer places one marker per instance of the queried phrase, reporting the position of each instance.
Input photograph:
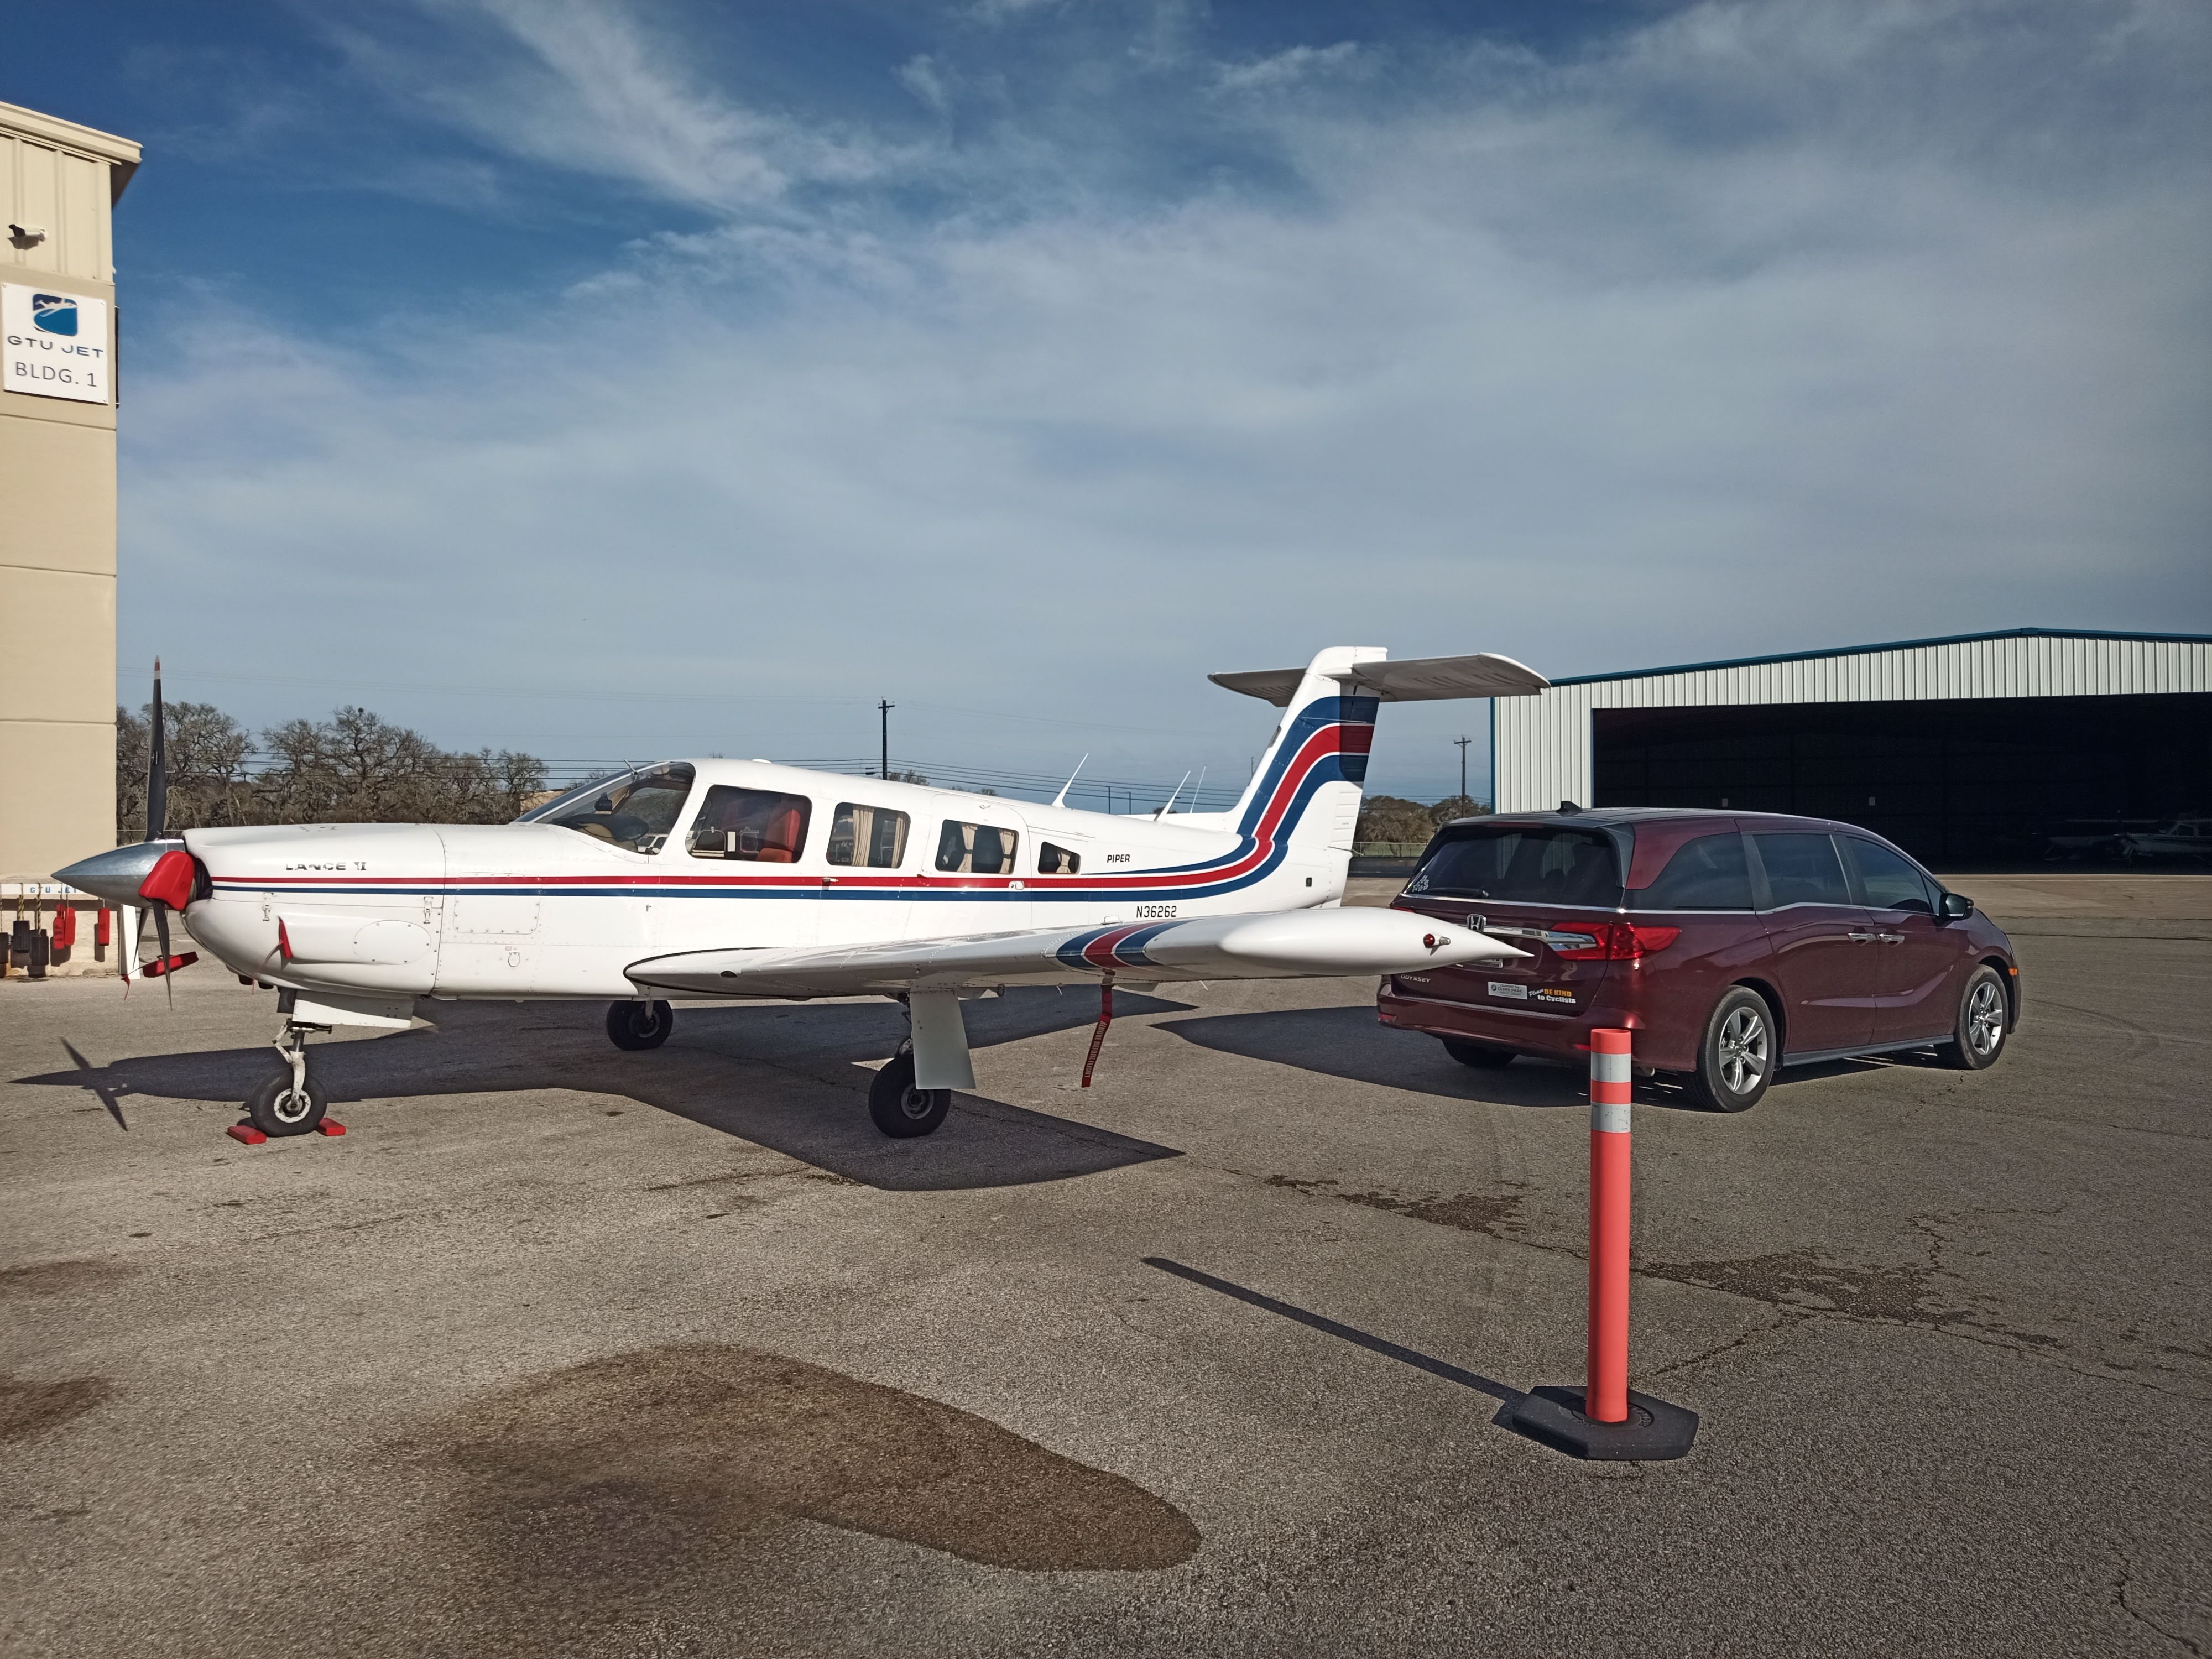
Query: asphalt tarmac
(564, 1350)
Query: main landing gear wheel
(280, 1107)
(1481, 1055)
(1737, 1058)
(639, 1025)
(900, 1109)
(1983, 1020)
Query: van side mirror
(1957, 907)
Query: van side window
(1706, 873)
(1057, 860)
(757, 824)
(1802, 869)
(981, 849)
(1890, 883)
(870, 838)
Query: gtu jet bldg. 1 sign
(57, 345)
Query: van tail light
(1616, 941)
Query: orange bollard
(1604, 1392)
(1603, 1419)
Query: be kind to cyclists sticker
(57, 345)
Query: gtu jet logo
(54, 314)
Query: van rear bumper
(1530, 1031)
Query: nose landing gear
(291, 1102)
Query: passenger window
(980, 849)
(1802, 869)
(1057, 860)
(1708, 874)
(870, 838)
(756, 824)
(1890, 883)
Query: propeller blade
(161, 933)
(157, 774)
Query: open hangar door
(1951, 781)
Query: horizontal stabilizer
(1416, 679)
(1272, 944)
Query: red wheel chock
(253, 1137)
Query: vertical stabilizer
(1303, 799)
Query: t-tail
(1303, 799)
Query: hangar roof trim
(1892, 645)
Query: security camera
(26, 235)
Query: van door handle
(1862, 938)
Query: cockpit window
(636, 809)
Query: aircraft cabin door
(743, 878)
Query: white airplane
(723, 879)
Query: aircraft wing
(1275, 944)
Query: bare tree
(207, 753)
(354, 768)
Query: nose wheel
(291, 1102)
(635, 1025)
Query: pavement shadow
(1352, 1045)
(790, 1077)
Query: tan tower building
(57, 183)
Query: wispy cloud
(1288, 68)
(1757, 327)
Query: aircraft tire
(276, 1109)
(901, 1110)
(636, 1025)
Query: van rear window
(1524, 864)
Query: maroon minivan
(1730, 943)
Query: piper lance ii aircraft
(724, 879)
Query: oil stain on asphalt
(664, 1460)
(29, 1408)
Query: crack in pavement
(1800, 1282)
(2121, 1581)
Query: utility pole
(1462, 743)
(885, 710)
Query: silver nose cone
(115, 876)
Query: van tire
(1739, 1054)
(1985, 1021)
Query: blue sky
(613, 381)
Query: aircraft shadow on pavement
(1352, 1043)
(789, 1077)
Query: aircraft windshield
(635, 809)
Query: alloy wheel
(1743, 1050)
(1985, 1018)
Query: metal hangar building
(1976, 746)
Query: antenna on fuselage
(1162, 812)
(1061, 800)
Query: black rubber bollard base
(1655, 1431)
